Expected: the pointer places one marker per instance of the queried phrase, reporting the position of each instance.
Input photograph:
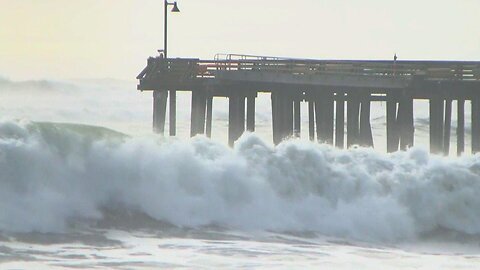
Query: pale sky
(65, 39)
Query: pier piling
(365, 131)
(475, 125)
(340, 120)
(198, 111)
(460, 126)
(159, 111)
(208, 127)
(447, 127)
(311, 120)
(353, 118)
(392, 125)
(251, 112)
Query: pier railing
(186, 69)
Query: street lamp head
(175, 7)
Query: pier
(338, 93)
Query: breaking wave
(53, 174)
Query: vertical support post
(275, 121)
(319, 118)
(353, 107)
(460, 126)
(324, 111)
(173, 113)
(287, 110)
(447, 127)
(208, 128)
(436, 124)
(475, 125)
(406, 121)
(159, 111)
(251, 113)
(282, 114)
(197, 125)
(233, 111)
(236, 116)
(311, 120)
(392, 127)
(296, 117)
(340, 120)
(329, 117)
(241, 116)
(365, 133)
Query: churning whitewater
(53, 176)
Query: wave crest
(52, 175)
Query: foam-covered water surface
(83, 196)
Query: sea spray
(55, 175)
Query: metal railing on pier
(185, 68)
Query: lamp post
(165, 36)
(173, 94)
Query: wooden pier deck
(333, 89)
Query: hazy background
(59, 39)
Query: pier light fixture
(165, 36)
(175, 7)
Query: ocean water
(85, 185)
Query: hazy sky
(58, 39)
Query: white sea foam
(51, 175)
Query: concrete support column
(198, 110)
(297, 118)
(353, 117)
(173, 113)
(392, 126)
(159, 111)
(236, 116)
(208, 128)
(340, 120)
(324, 113)
(365, 132)
(447, 127)
(405, 121)
(460, 126)
(311, 120)
(251, 113)
(282, 115)
(436, 124)
(475, 125)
